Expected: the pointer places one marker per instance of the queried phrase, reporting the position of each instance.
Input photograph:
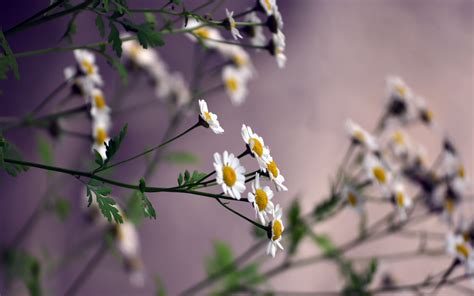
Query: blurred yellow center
(101, 136)
(352, 199)
(429, 115)
(273, 169)
(207, 116)
(88, 67)
(230, 177)
(277, 229)
(261, 199)
(466, 236)
(359, 136)
(449, 205)
(398, 138)
(461, 171)
(232, 84)
(257, 146)
(400, 199)
(203, 33)
(239, 60)
(463, 250)
(268, 4)
(99, 101)
(379, 174)
(401, 90)
(135, 51)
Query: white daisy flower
(275, 175)
(257, 37)
(361, 136)
(206, 34)
(127, 240)
(401, 199)
(457, 247)
(353, 198)
(230, 174)
(256, 146)
(81, 84)
(180, 94)
(241, 60)
(232, 25)
(376, 171)
(99, 107)
(277, 48)
(277, 231)
(87, 66)
(261, 198)
(136, 271)
(399, 143)
(142, 57)
(235, 81)
(425, 114)
(400, 101)
(210, 118)
(100, 132)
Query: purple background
(339, 53)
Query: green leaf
(24, 266)
(121, 70)
(99, 23)
(107, 205)
(160, 287)
(324, 208)
(191, 180)
(148, 209)
(148, 37)
(112, 147)
(326, 245)
(114, 39)
(98, 158)
(150, 19)
(181, 158)
(8, 150)
(296, 225)
(7, 61)
(134, 208)
(62, 208)
(45, 150)
(223, 257)
(71, 29)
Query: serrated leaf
(181, 158)
(7, 61)
(113, 146)
(99, 23)
(114, 39)
(148, 209)
(108, 209)
(10, 151)
(180, 179)
(147, 37)
(98, 158)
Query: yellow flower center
(461, 171)
(257, 146)
(401, 90)
(400, 199)
(203, 33)
(88, 67)
(99, 101)
(359, 136)
(399, 138)
(261, 199)
(352, 199)
(449, 205)
(232, 84)
(273, 169)
(207, 116)
(135, 51)
(463, 250)
(101, 136)
(230, 177)
(466, 236)
(277, 229)
(428, 115)
(239, 60)
(268, 4)
(379, 174)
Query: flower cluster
(392, 164)
(239, 69)
(232, 178)
(171, 87)
(87, 82)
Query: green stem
(48, 98)
(79, 174)
(49, 17)
(148, 150)
(242, 216)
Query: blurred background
(339, 53)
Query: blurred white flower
(87, 66)
(376, 171)
(100, 132)
(235, 82)
(361, 136)
(257, 37)
(277, 48)
(402, 201)
(256, 145)
(353, 198)
(232, 24)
